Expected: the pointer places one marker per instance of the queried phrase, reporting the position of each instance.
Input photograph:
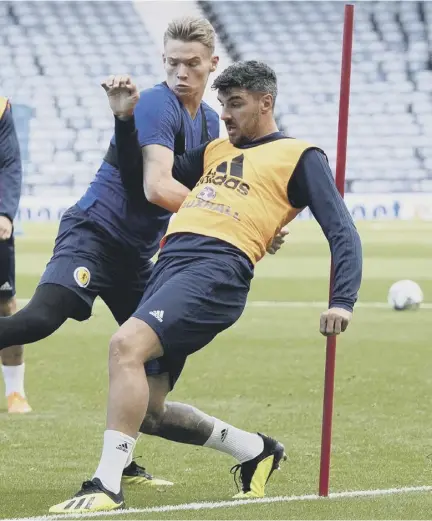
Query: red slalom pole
(324, 479)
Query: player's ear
(163, 58)
(267, 103)
(214, 63)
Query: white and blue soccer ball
(405, 294)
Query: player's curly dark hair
(251, 75)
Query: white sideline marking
(226, 504)
(291, 304)
(323, 305)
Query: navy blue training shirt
(10, 166)
(311, 185)
(158, 118)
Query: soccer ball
(405, 294)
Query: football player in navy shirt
(106, 241)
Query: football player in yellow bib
(247, 188)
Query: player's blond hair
(191, 29)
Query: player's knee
(134, 343)
(7, 306)
(122, 350)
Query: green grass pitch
(265, 373)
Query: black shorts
(91, 263)
(7, 269)
(187, 302)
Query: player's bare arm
(159, 186)
(187, 168)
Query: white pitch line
(291, 304)
(227, 504)
(323, 305)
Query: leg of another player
(257, 455)
(48, 309)
(134, 344)
(184, 423)
(13, 366)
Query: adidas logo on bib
(5, 287)
(157, 314)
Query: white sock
(116, 449)
(242, 445)
(130, 457)
(13, 376)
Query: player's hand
(277, 242)
(5, 228)
(122, 95)
(334, 321)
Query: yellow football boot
(18, 404)
(93, 497)
(134, 474)
(255, 473)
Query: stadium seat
(46, 50)
(390, 102)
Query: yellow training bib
(3, 105)
(242, 197)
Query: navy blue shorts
(7, 269)
(187, 302)
(91, 263)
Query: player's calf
(132, 345)
(7, 306)
(13, 367)
(14, 355)
(152, 422)
(258, 455)
(135, 474)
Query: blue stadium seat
(391, 104)
(46, 51)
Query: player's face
(241, 112)
(188, 66)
